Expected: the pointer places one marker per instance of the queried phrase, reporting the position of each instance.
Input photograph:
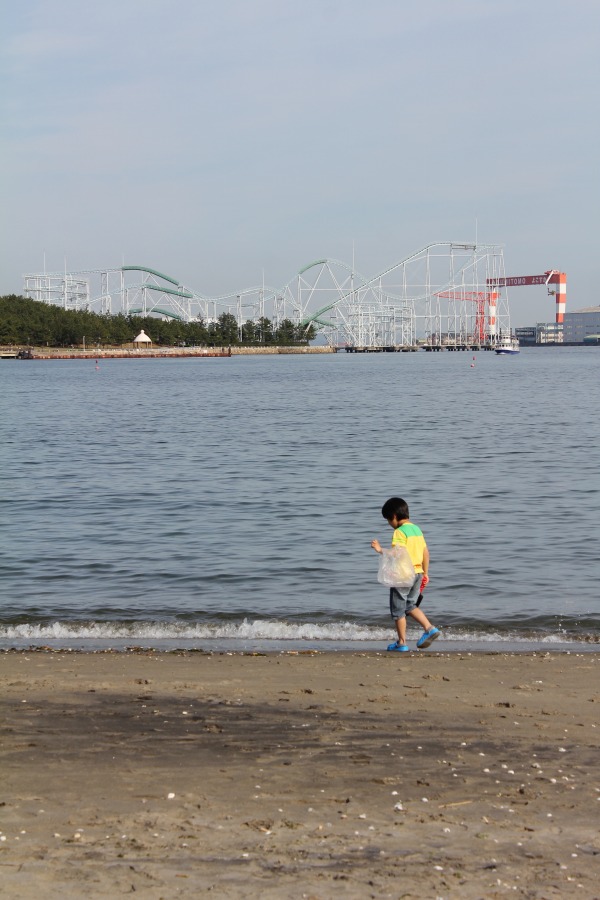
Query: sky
(217, 140)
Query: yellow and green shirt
(411, 537)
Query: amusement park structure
(448, 294)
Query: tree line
(32, 323)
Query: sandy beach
(304, 775)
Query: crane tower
(552, 276)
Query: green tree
(250, 333)
(228, 329)
(24, 321)
(264, 333)
(286, 333)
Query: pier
(163, 353)
(429, 348)
(347, 348)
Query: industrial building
(527, 335)
(581, 324)
(542, 333)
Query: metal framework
(65, 290)
(447, 294)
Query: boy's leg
(401, 629)
(397, 610)
(420, 617)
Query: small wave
(276, 631)
(246, 630)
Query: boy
(395, 510)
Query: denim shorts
(405, 600)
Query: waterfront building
(581, 323)
(550, 333)
(527, 335)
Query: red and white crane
(481, 299)
(552, 276)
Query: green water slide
(150, 272)
(157, 309)
(161, 288)
(317, 262)
(315, 318)
(165, 290)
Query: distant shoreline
(47, 353)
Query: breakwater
(48, 353)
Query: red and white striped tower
(492, 297)
(560, 280)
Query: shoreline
(269, 647)
(49, 353)
(9, 352)
(300, 775)
(40, 354)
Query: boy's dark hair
(395, 506)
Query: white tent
(142, 338)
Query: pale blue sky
(215, 140)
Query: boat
(507, 344)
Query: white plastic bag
(396, 568)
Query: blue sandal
(400, 648)
(428, 637)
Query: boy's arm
(425, 580)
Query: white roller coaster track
(428, 295)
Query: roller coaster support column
(239, 316)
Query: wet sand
(301, 775)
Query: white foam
(258, 629)
(246, 630)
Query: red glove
(424, 581)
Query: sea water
(231, 502)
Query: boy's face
(394, 522)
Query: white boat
(507, 344)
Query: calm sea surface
(230, 503)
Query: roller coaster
(439, 296)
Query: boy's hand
(376, 546)
(424, 582)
